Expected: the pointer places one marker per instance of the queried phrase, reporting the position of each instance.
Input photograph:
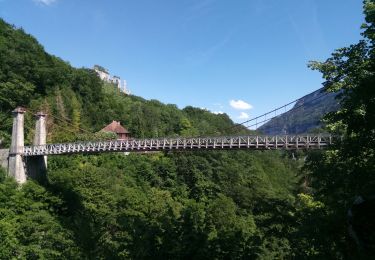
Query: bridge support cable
(64, 120)
(277, 112)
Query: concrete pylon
(16, 166)
(40, 137)
(37, 165)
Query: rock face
(305, 116)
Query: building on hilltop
(102, 73)
(116, 80)
(116, 127)
(125, 88)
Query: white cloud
(45, 2)
(240, 105)
(243, 115)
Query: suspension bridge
(31, 161)
(197, 143)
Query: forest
(190, 205)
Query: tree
(347, 171)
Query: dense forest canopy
(201, 205)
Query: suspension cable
(64, 120)
(277, 109)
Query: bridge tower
(36, 166)
(33, 167)
(16, 167)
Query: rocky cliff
(305, 116)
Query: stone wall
(4, 153)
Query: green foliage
(183, 205)
(2, 174)
(29, 225)
(351, 70)
(345, 172)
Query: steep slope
(305, 116)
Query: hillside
(305, 116)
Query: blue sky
(242, 57)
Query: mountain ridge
(305, 116)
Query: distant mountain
(304, 117)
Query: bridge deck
(162, 144)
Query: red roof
(115, 127)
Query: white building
(125, 88)
(105, 76)
(102, 73)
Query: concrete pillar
(40, 137)
(16, 167)
(37, 165)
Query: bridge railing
(159, 144)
